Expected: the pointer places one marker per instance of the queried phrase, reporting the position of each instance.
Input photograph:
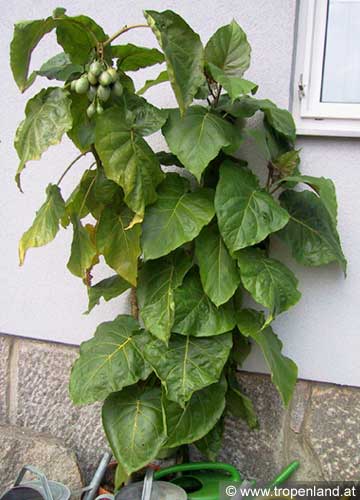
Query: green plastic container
(201, 481)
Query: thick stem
(269, 177)
(134, 304)
(96, 156)
(124, 29)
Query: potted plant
(190, 242)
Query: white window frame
(313, 117)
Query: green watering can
(201, 480)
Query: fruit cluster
(98, 83)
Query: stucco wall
(44, 301)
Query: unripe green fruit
(118, 89)
(91, 110)
(92, 78)
(72, 85)
(99, 109)
(92, 93)
(105, 79)
(82, 86)
(96, 68)
(113, 73)
(103, 93)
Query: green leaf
(227, 54)
(27, 34)
(283, 370)
(282, 121)
(240, 406)
(218, 271)
(188, 364)
(78, 36)
(287, 164)
(196, 315)
(323, 187)
(176, 217)
(111, 360)
(268, 281)
(168, 159)
(46, 223)
(210, 445)
(134, 425)
(157, 281)
(47, 118)
(310, 234)
(83, 250)
(197, 137)
(250, 322)
(161, 78)
(145, 119)
(236, 87)
(128, 160)
(183, 54)
(241, 348)
(59, 67)
(197, 418)
(108, 289)
(120, 246)
(131, 57)
(82, 132)
(246, 213)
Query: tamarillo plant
(190, 242)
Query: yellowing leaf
(46, 222)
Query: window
(326, 99)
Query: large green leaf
(197, 418)
(323, 187)
(161, 78)
(82, 132)
(83, 250)
(246, 213)
(196, 315)
(111, 360)
(188, 364)
(183, 54)
(197, 137)
(108, 288)
(210, 445)
(311, 233)
(176, 217)
(27, 35)
(227, 55)
(78, 36)
(47, 118)
(218, 270)
(46, 222)
(120, 246)
(132, 57)
(59, 67)
(155, 291)
(283, 370)
(128, 160)
(134, 425)
(269, 281)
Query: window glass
(341, 67)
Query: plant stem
(86, 195)
(218, 95)
(69, 167)
(96, 156)
(134, 303)
(269, 177)
(124, 29)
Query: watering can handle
(40, 475)
(234, 473)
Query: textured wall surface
(321, 427)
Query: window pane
(341, 71)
